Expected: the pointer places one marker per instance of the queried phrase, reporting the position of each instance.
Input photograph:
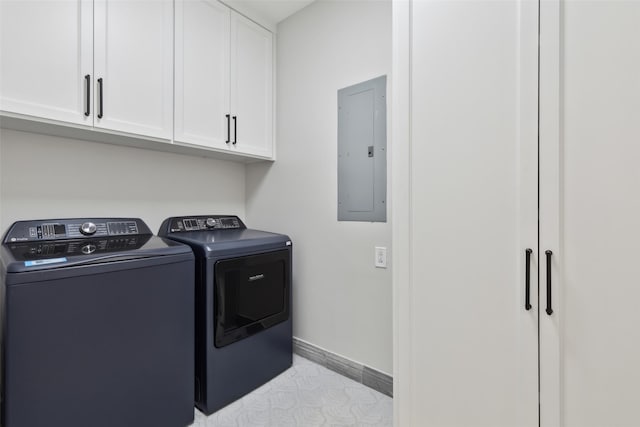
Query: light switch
(381, 257)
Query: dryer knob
(211, 222)
(88, 228)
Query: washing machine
(97, 325)
(243, 305)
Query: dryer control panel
(203, 223)
(75, 228)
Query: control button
(88, 228)
(211, 222)
(88, 249)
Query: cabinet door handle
(235, 130)
(527, 280)
(228, 116)
(549, 310)
(100, 111)
(87, 83)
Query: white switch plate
(381, 257)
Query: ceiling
(272, 10)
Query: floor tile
(305, 395)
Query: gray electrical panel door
(362, 151)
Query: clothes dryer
(243, 305)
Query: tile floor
(306, 395)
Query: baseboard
(372, 378)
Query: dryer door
(251, 294)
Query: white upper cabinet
(134, 66)
(46, 67)
(202, 73)
(116, 65)
(224, 80)
(251, 87)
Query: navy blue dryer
(243, 305)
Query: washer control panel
(204, 223)
(75, 228)
(48, 249)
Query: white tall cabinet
(504, 146)
(589, 210)
(467, 352)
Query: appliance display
(243, 305)
(97, 315)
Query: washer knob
(88, 249)
(88, 228)
(211, 222)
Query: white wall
(43, 176)
(342, 302)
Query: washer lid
(229, 240)
(59, 243)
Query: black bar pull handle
(527, 280)
(235, 130)
(549, 310)
(228, 116)
(100, 111)
(87, 83)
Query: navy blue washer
(243, 305)
(97, 328)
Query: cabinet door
(134, 59)
(45, 53)
(202, 73)
(473, 345)
(251, 87)
(590, 206)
